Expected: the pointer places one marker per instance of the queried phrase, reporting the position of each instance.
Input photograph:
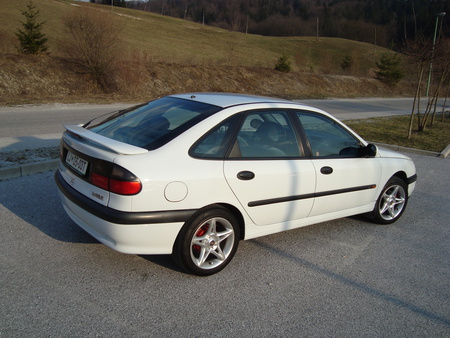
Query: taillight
(113, 178)
(100, 181)
(124, 187)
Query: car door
(346, 178)
(267, 171)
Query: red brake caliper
(200, 232)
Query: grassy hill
(161, 55)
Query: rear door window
(266, 134)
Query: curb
(443, 154)
(28, 169)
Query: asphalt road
(345, 278)
(30, 127)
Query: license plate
(77, 163)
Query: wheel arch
(235, 211)
(402, 175)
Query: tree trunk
(445, 102)
(416, 98)
(436, 93)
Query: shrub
(389, 69)
(283, 64)
(94, 45)
(347, 63)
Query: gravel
(14, 158)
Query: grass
(160, 55)
(394, 130)
(165, 39)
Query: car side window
(214, 143)
(327, 138)
(266, 134)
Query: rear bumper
(116, 216)
(127, 232)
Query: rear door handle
(246, 175)
(326, 170)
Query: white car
(192, 174)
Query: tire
(207, 242)
(391, 203)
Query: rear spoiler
(104, 142)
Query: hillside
(161, 55)
(389, 22)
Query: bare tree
(445, 101)
(94, 44)
(443, 70)
(421, 52)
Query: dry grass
(164, 55)
(178, 41)
(13, 158)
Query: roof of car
(227, 99)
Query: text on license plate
(76, 163)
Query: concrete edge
(28, 169)
(442, 154)
(445, 152)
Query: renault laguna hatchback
(193, 174)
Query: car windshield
(153, 124)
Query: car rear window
(153, 124)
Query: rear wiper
(95, 118)
(114, 114)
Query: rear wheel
(208, 242)
(391, 203)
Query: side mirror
(370, 150)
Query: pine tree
(32, 40)
(283, 64)
(389, 69)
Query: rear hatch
(89, 151)
(87, 164)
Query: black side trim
(313, 195)
(412, 179)
(116, 216)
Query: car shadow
(35, 199)
(164, 261)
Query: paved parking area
(345, 278)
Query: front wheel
(208, 242)
(391, 203)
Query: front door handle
(326, 170)
(246, 175)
